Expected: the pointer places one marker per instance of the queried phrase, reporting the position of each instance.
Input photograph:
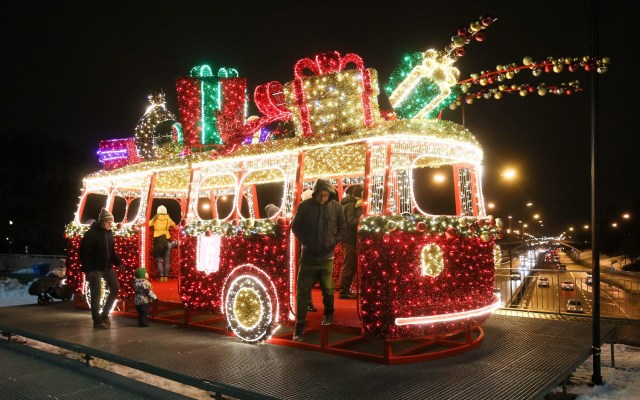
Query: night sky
(74, 75)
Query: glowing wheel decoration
(248, 309)
(104, 293)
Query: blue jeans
(307, 277)
(95, 287)
(164, 270)
(143, 311)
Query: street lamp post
(510, 246)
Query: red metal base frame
(341, 340)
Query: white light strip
(391, 137)
(434, 319)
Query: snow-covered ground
(621, 382)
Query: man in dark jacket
(319, 224)
(352, 207)
(97, 257)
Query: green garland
(434, 225)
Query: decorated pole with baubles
(426, 83)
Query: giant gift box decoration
(116, 153)
(270, 100)
(211, 107)
(334, 99)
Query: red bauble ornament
(421, 226)
(480, 36)
(463, 31)
(481, 222)
(183, 222)
(207, 233)
(119, 226)
(487, 20)
(460, 52)
(280, 221)
(450, 233)
(572, 67)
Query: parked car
(567, 285)
(574, 305)
(515, 276)
(543, 282)
(561, 266)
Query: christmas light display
(250, 305)
(270, 100)
(211, 106)
(155, 114)
(503, 73)
(116, 153)
(426, 83)
(335, 99)
(419, 274)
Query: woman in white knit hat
(161, 224)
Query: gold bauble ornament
(527, 60)
(458, 41)
(392, 226)
(485, 237)
(542, 91)
(558, 68)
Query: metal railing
(556, 291)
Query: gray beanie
(105, 216)
(271, 210)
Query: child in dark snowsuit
(144, 295)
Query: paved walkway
(520, 358)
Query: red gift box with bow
(334, 99)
